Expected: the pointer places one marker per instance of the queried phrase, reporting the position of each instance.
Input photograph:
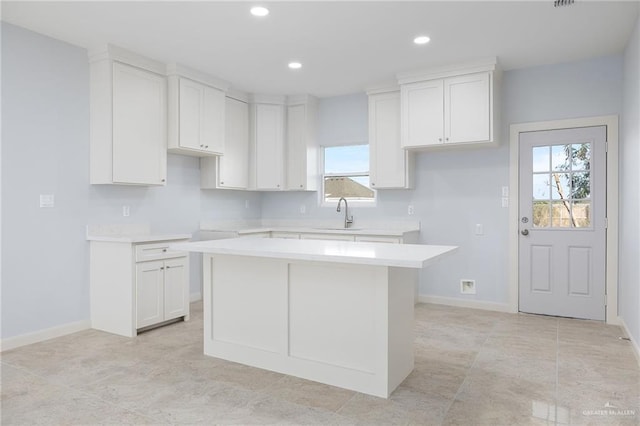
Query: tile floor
(472, 368)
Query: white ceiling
(343, 46)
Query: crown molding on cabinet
(490, 64)
(198, 76)
(382, 88)
(257, 98)
(115, 53)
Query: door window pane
(541, 159)
(561, 157)
(581, 185)
(541, 214)
(581, 156)
(541, 186)
(561, 214)
(561, 186)
(581, 211)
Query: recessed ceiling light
(421, 40)
(259, 11)
(295, 65)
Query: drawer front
(157, 251)
(332, 237)
(378, 239)
(289, 235)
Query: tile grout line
(475, 359)
(81, 391)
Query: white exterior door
(562, 213)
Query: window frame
(322, 202)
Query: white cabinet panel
(139, 123)
(467, 102)
(378, 239)
(196, 118)
(230, 170)
(422, 113)
(149, 293)
(302, 151)
(390, 164)
(176, 286)
(268, 146)
(128, 137)
(137, 285)
(458, 109)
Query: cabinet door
(139, 126)
(269, 150)
(213, 120)
(176, 288)
(296, 147)
(422, 113)
(149, 293)
(202, 117)
(234, 164)
(389, 162)
(467, 108)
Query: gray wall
(45, 144)
(455, 190)
(629, 250)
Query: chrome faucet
(347, 220)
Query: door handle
(525, 232)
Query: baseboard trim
(42, 335)
(465, 303)
(634, 343)
(195, 297)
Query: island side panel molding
(321, 305)
(402, 284)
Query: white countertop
(379, 254)
(392, 228)
(144, 238)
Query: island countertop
(362, 253)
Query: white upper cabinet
(458, 108)
(301, 147)
(128, 141)
(232, 169)
(196, 112)
(391, 166)
(267, 153)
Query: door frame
(611, 261)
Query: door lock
(525, 232)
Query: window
(346, 174)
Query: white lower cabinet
(161, 291)
(137, 285)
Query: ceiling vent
(560, 3)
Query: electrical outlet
(246, 204)
(47, 200)
(303, 209)
(505, 202)
(410, 210)
(468, 286)
(505, 191)
(126, 211)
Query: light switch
(505, 191)
(410, 210)
(303, 209)
(505, 202)
(479, 229)
(47, 200)
(126, 211)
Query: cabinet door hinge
(606, 223)
(606, 146)
(605, 300)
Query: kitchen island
(336, 312)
